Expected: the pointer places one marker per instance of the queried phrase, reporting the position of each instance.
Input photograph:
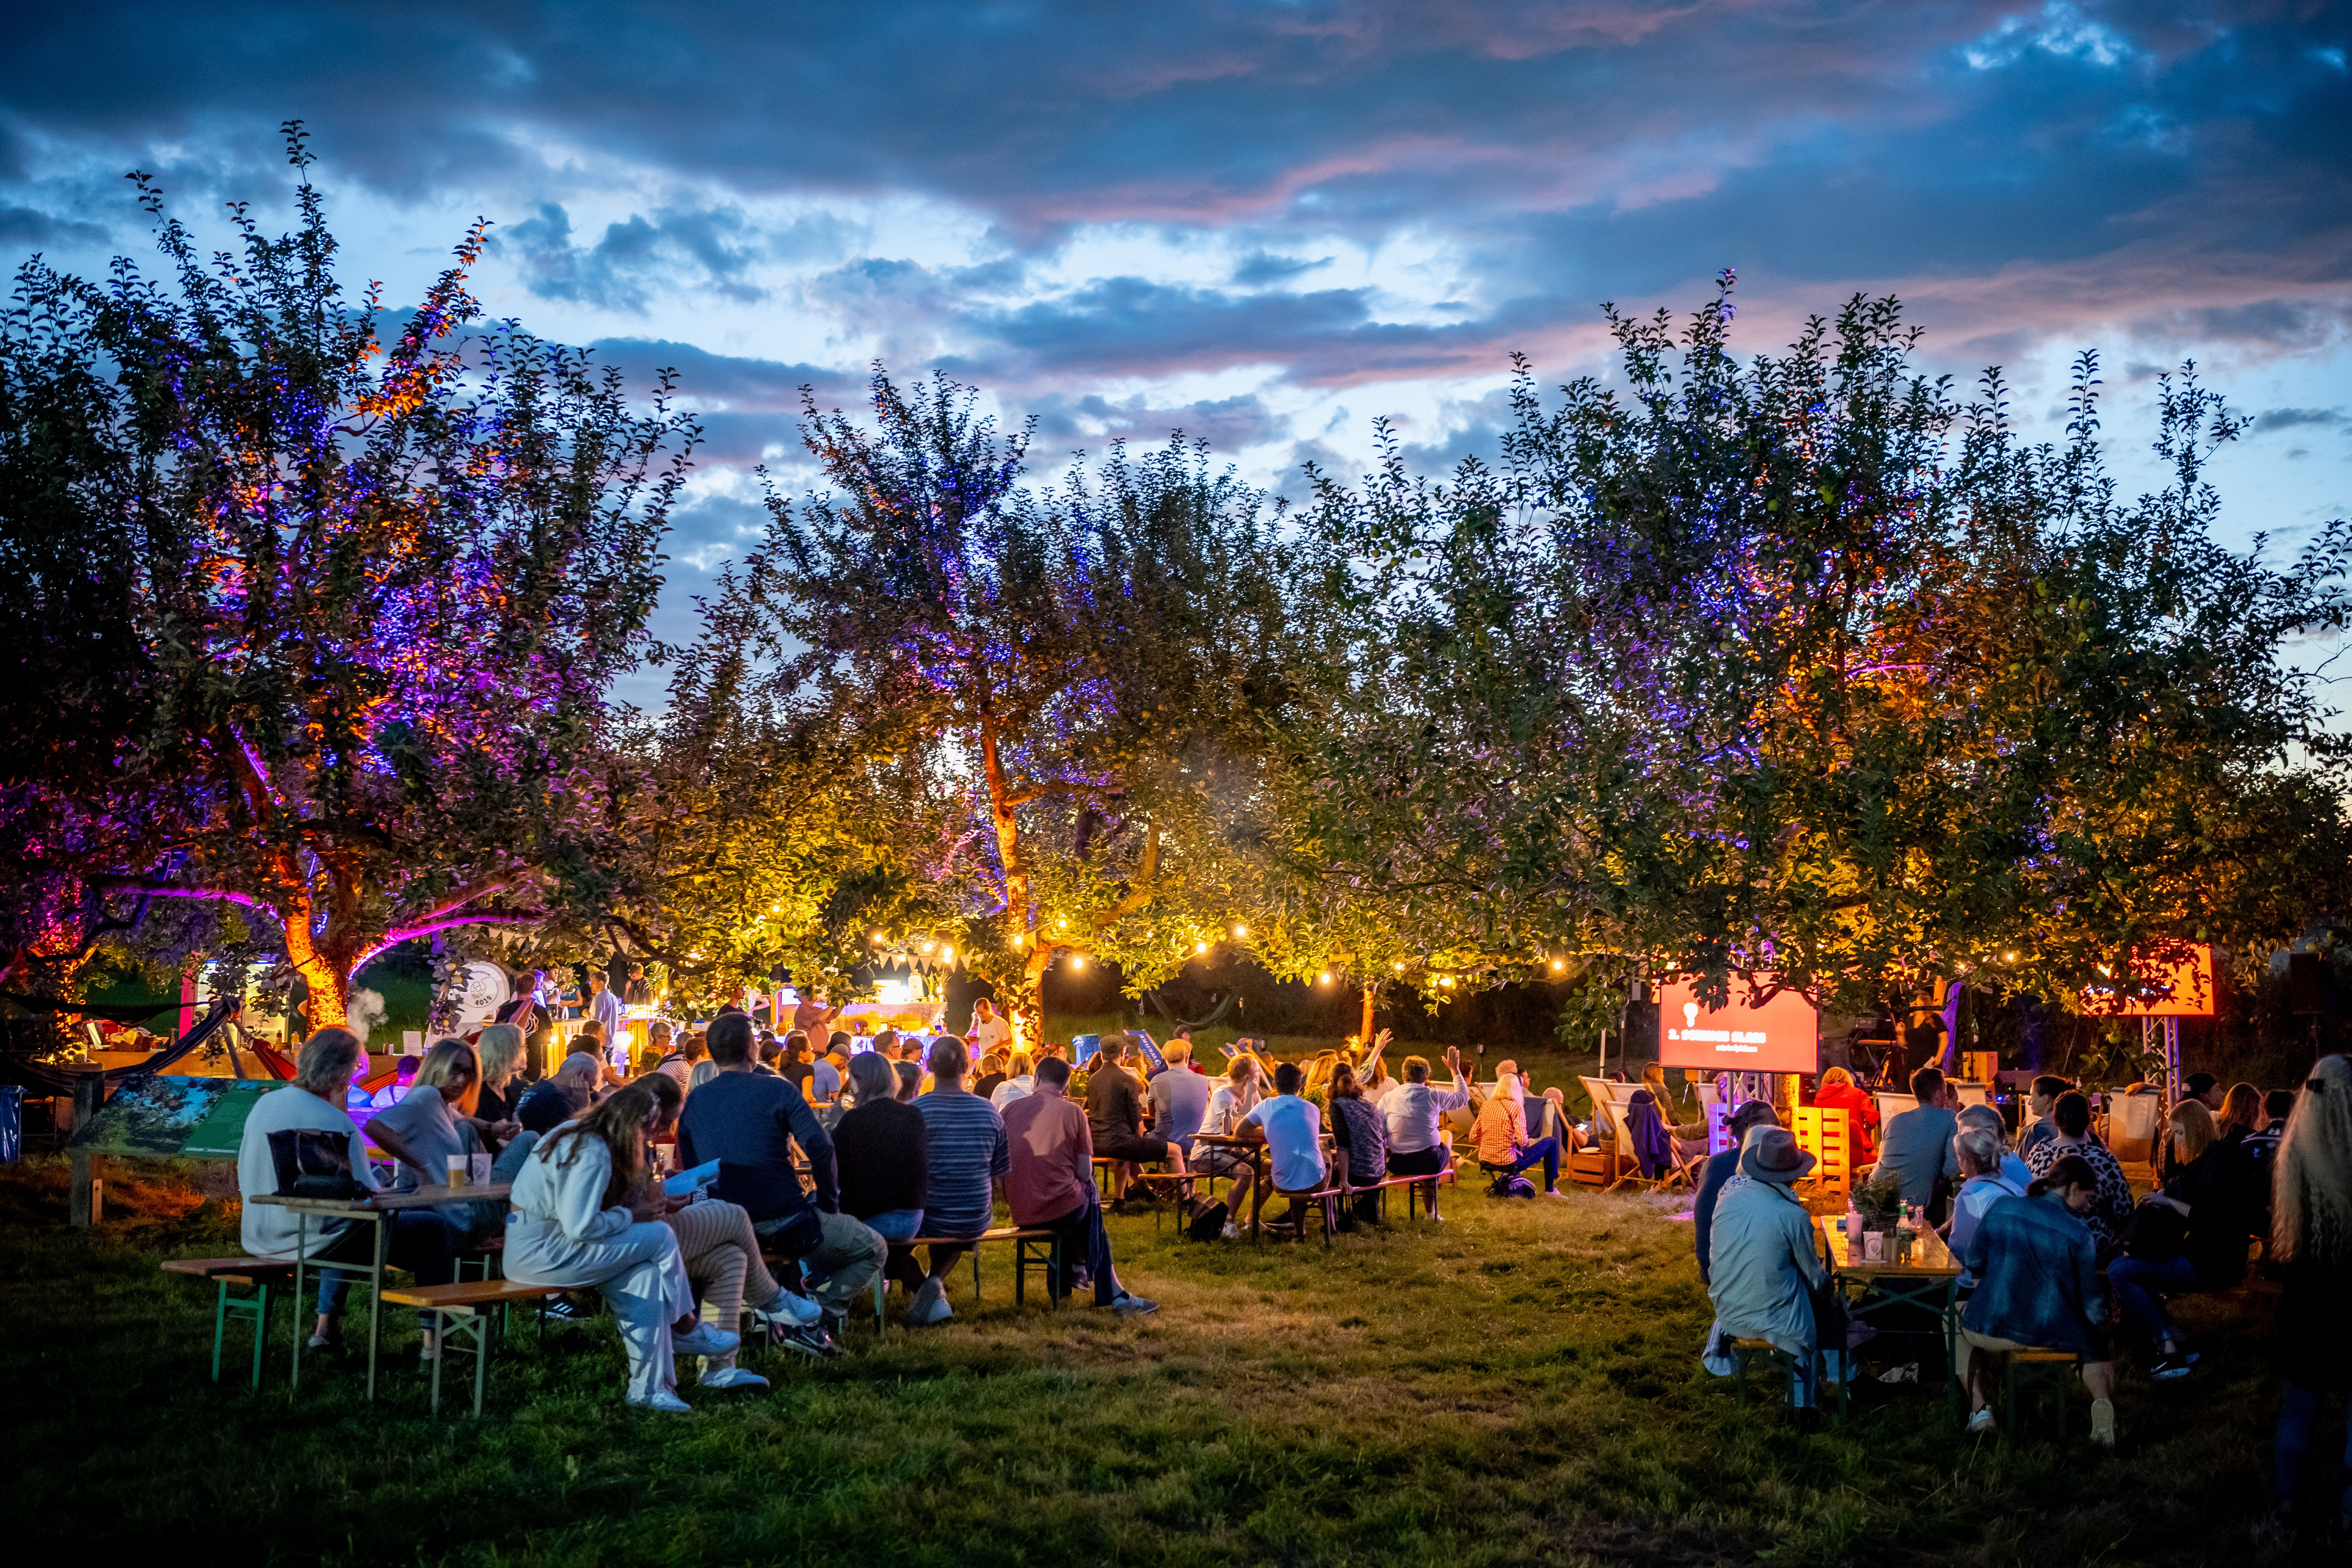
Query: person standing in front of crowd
(604, 1008)
(990, 1032)
(2311, 1240)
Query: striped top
(966, 1156)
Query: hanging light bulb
(948, 956)
(1323, 979)
(1240, 930)
(1078, 960)
(1200, 947)
(1062, 924)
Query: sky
(1265, 224)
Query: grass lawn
(1516, 1386)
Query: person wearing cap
(1720, 1171)
(1765, 1276)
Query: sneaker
(561, 1309)
(1553, 1192)
(2103, 1423)
(790, 1310)
(812, 1342)
(930, 1305)
(733, 1377)
(706, 1340)
(663, 1400)
(2170, 1367)
(1907, 1372)
(328, 1342)
(1129, 1305)
(1980, 1423)
(1233, 1231)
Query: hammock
(43, 1078)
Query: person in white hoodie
(587, 1214)
(1417, 1145)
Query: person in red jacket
(1839, 1092)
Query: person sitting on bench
(1765, 1281)
(1293, 1130)
(1362, 1137)
(422, 1241)
(588, 1213)
(1115, 1116)
(1416, 1145)
(1050, 1185)
(966, 1158)
(723, 1263)
(2036, 1264)
(563, 1095)
(882, 1145)
(751, 1122)
(1501, 1135)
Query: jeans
(422, 1242)
(896, 1224)
(1545, 1151)
(2298, 1414)
(1084, 1242)
(2137, 1284)
(842, 1257)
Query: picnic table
(1929, 1278)
(374, 1209)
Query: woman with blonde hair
(2311, 1239)
(500, 1049)
(2207, 1189)
(587, 1214)
(1020, 1080)
(2242, 1112)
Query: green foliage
(1090, 670)
(1744, 670)
(323, 619)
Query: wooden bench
(2028, 1373)
(465, 1309)
(1746, 1352)
(1031, 1247)
(1410, 1185)
(256, 1273)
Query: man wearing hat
(1763, 1275)
(1720, 1170)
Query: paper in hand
(685, 1184)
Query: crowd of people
(2055, 1253)
(832, 1167)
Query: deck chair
(1969, 1093)
(1826, 1133)
(2134, 1124)
(1892, 1103)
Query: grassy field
(1516, 1386)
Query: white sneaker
(1553, 1192)
(930, 1305)
(733, 1377)
(706, 1340)
(793, 1311)
(666, 1401)
(1130, 1305)
(1980, 1423)
(1233, 1231)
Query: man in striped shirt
(966, 1158)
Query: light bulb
(1201, 947)
(1078, 960)
(1324, 979)
(1240, 930)
(1556, 963)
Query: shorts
(2100, 1349)
(1430, 1161)
(1132, 1146)
(1211, 1160)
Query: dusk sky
(1267, 224)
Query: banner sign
(1782, 1036)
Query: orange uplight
(2182, 990)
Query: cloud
(2293, 418)
(709, 249)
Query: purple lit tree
(314, 624)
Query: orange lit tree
(336, 610)
(1093, 666)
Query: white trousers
(640, 1272)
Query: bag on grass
(1210, 1223)
(1510, 1186)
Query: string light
(1324, 979)
(1078, 960)
(1556, 963)
(1240, 930)
(1201, 947)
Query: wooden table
(1931, 1279)
(374, 1208)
